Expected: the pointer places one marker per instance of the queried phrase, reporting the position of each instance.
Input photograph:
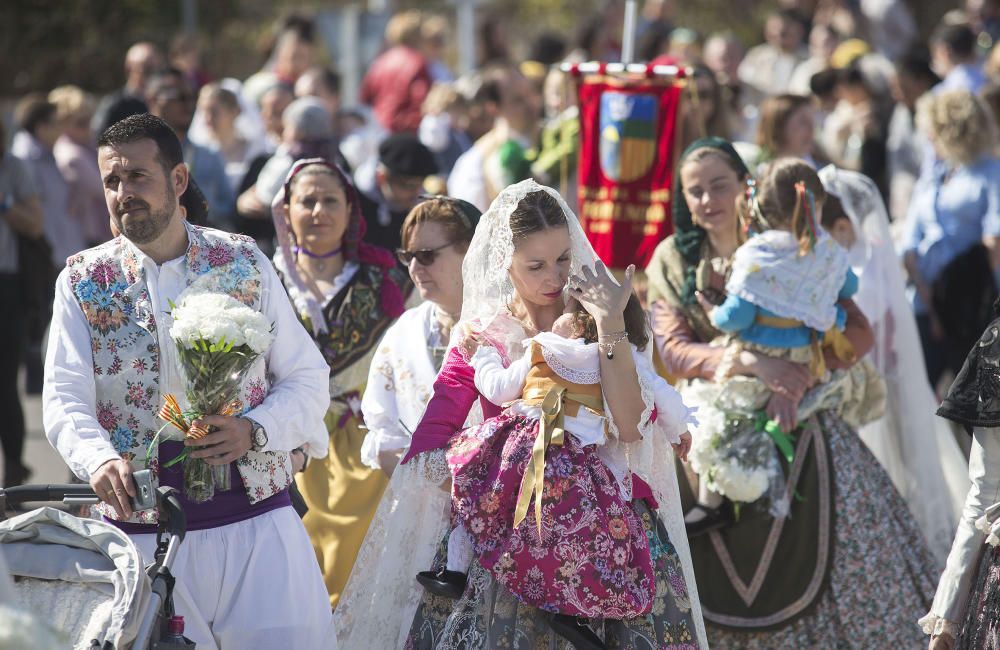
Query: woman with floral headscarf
(346, 293)
(847, 567)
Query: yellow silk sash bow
(550, 432)
(833, 338)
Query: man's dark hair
(824, 83)
(330, 78)
(146, 127)
(916, 63)
(300, 24)
(790, 15)
(959, 39)
(33, 111)
(491, 88)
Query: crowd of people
(468, 432)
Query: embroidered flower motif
(218, 255)
(122, 439)
(489, 502)
(255, 393)
(618, 528)
(84, 290)
(103, 272)
(107, 416)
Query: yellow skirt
(342, 495)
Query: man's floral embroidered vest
(109, 284)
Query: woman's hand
(469, 341)
(706, 305)
(682, 448)
(388, 460)
(784, 411)
(600, 294)
(786, 378)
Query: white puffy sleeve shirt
(291, 414)
(955, 588)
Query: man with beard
(246, 573)
(170, 97)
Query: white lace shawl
(769, 272)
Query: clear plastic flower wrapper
(218, 340)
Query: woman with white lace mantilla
(527, 247)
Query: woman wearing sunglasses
(435, 237)
(347, 293)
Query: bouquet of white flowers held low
(737, 455)
(218, 339)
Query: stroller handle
(47, 492)
(171, 513)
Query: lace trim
(432, 466)
(570, 374)
(934, 625)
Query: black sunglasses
(424, 256)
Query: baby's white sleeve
(672, 415)
(494, 382)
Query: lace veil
(488, 289)
(916, 448)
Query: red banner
(626, 165)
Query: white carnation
(218, 317)
(740, 483)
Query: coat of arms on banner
(628, 135)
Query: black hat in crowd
(405, 155)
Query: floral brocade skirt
(982, 624)
(590, 556)
(490, 616)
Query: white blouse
(400, 382)
(954, 590)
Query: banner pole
(628, 37)
(593, 67)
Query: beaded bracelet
(609, 348)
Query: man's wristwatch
(258, 436)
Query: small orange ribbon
(171, 412)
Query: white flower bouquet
(218, 339)
(737, 454)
